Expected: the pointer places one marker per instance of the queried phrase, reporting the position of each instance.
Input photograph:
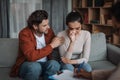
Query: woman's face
(74, 27)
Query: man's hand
(57, 41)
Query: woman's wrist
(72, 42)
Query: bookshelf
(96, 17)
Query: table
(66, 75)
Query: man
(112, 74)
(36, 42)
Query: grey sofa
(103, 56)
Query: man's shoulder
(25, 30)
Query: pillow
(98, 47)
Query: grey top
(81, 49)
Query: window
(19, 13)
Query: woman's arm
(66, 49)
(72, 37)
(86, 51)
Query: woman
(76, 48)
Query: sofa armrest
(113, 54)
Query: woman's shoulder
(85, 32)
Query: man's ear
(35, 27)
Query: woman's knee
(67, 67)
(87, 67)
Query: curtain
(57, 10)
(21, 9)
(4, 18)
(19, 13)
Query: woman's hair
(36, 18)
(74, 16)
(115, 11)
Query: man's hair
(115, 11)
(74, 16)
(36, 18)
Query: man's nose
(48, 26)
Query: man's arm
(28, 47)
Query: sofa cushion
(4, 74)
(8, 51)
(113, 53)
(98, 65)
(98, 47)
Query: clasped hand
(72, 36)
(65, 60)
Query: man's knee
(52, 66)
(53, 63)
(32, 67)
(30, 70)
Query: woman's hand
(72, 36)
(65, 60)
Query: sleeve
(28, 48)
(86, 49)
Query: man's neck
(38, 33)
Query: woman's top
(81, 50)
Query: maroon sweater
(28, 51)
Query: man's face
(43, 27)
(74, 27)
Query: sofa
(103, 55)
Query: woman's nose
(74, 31)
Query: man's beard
(39, 32)
(46, 32)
